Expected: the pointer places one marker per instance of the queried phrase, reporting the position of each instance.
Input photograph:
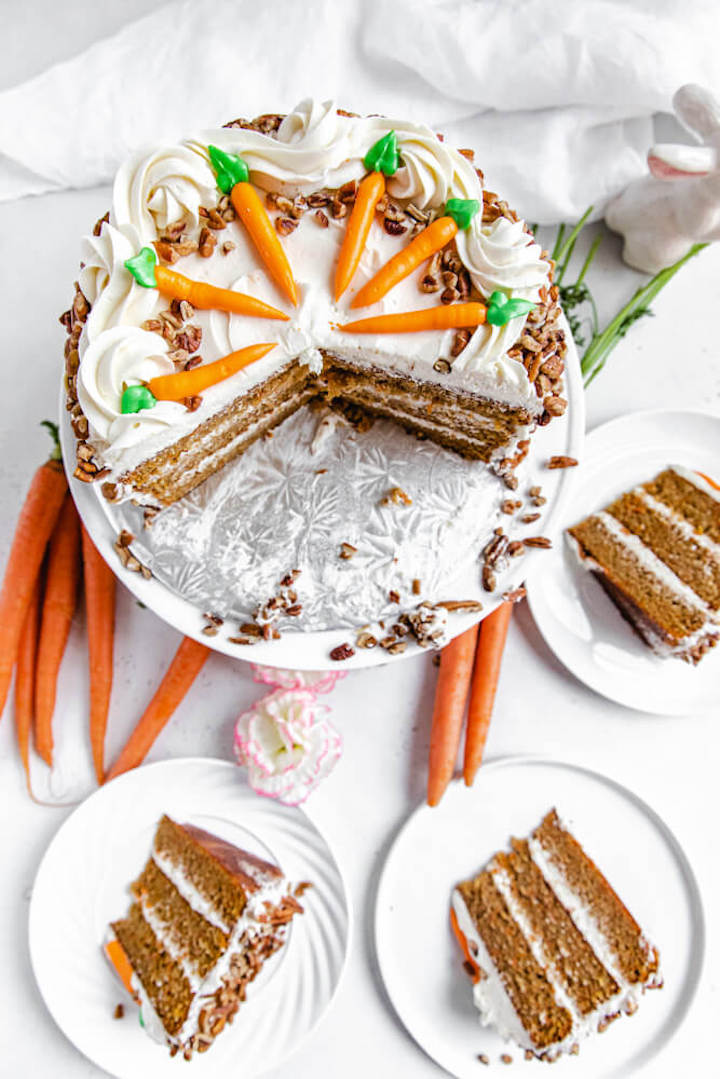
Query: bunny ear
(697, 110)
(668, 161)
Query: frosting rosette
(287, 744)
(316, 681)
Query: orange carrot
(180, 675)
(251, 211)
(369, 193)
(206, 297)
(25, 680)
(488, 658)
(450, 697)
(189, 383)
(452, 317)
(430, 240)
(35, 524)
(708, 480)
(61, 590)
(118, 957)
(99, 584)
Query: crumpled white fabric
(557, 98)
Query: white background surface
(671, 360)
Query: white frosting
(489, 994)
(314, 148)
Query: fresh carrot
(61, 592)
(450, 697)
(251, 211)
(99, 584)
(209, 297)
(189, 383)
(452, 317)
(369, 193)
(486, 673)
(35, 524)
(430, 240)
(180, 675)
(25, 680)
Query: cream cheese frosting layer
(314, 148)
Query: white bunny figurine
(662, 215)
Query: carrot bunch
(469, 675)
(51, 553)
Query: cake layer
(185, 933)
(566, 953)
(634, 570)
(674, 542)
(524, 980)
(162, 977)
(679, 492)
(635, 958)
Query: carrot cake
(656, 552)
(552, 951)
(245, 271)
(205, 917)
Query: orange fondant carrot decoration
(180, 675)
(458, 214)
(147, 272)
(189, 383)
(369, 193)
(450, 698)
(488, 658)
(25, 680)
(37, 519)
(61, 592)
(381, 160)
(452, 317)
(118, 957)
(470, 962)
(99, 582)
(233, 178)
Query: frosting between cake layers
(315, 148)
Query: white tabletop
(383, 714)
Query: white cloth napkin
(557, 98)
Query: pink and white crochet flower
(287, 745)
(317, 681)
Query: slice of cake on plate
(552, 951)
(205, 917)
(656, 552)
(228, 247)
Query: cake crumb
(119, 1011)
(393, 596)
(416, 586)
(483, 1058)
(506, 1058)
(529, 1055)
(347, 550)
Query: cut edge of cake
(536, 927)
(205, 917)
(655, 551)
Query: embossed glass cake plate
(291, 501)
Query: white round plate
(579, 623)
(419, 958)
(311, 650)
(82, 884)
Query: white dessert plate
(283, 467)
(579, 623)
(421, 963)
(82, 884)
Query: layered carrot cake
(656, 552)
(248, 269)
(204, 919)
(552, 951)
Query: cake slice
(656, 552)
(553, 952)
(205, 916)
